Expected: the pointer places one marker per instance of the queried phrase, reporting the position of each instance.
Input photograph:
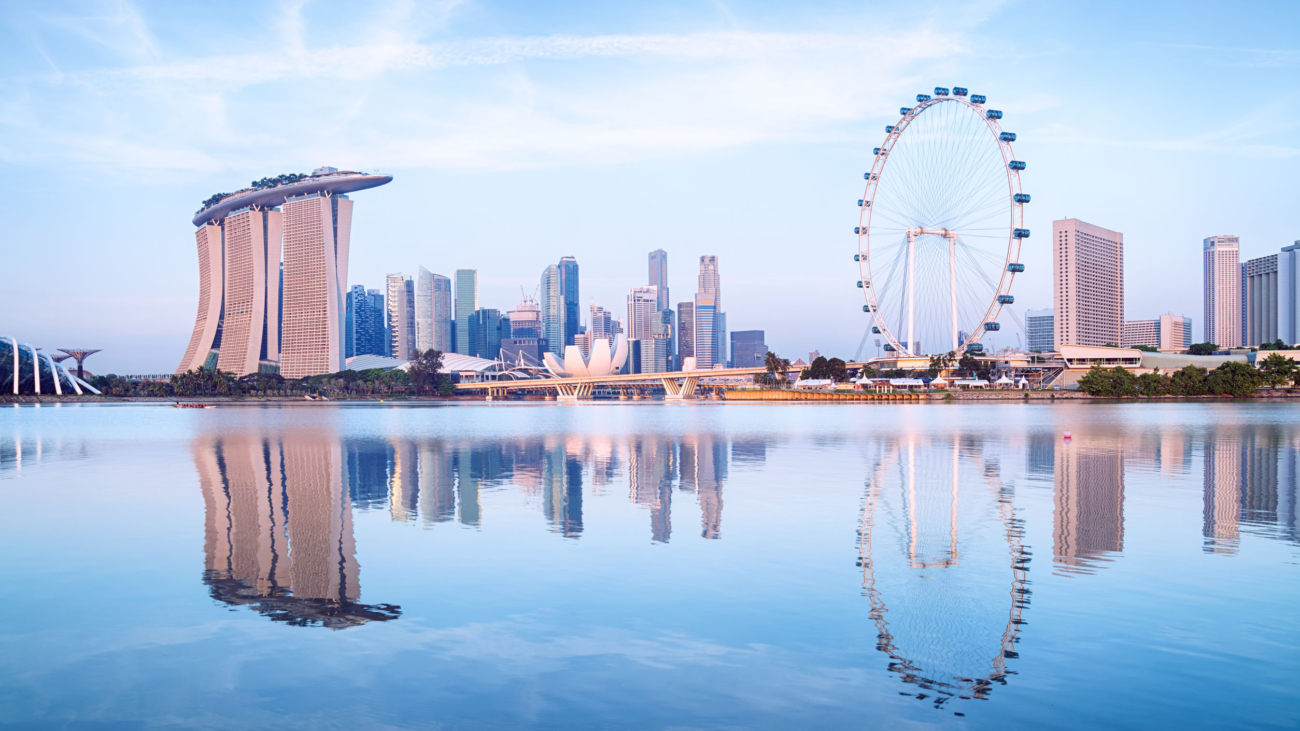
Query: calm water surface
(698, 566)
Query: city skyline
(595, 169)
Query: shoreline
(822, 397)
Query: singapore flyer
(941, 226)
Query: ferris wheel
(941, 225)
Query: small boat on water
(179, 405)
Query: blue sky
(521, 132)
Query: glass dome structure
(27, 371)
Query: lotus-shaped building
(601, 363)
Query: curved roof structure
(343, 181)
(25, 370)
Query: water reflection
(1088, 503)
(439, 481)
(278, 534)
(943, 565)
(941, 542)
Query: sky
(517, 133)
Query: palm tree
(776, 368)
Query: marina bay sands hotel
(273, 273)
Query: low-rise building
(1168, 332)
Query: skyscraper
(748, 349)
(1087, 283)
(572, 309)
(426, 306)
(710, 288)
(720, 339)
(250, 317)
(317, 233)
(466, 303)
(710, 282)
(1259, 300)
(486, 328)
(659, 276)
(275, 278)
(642, 304)
(603, 326)
(1039, 336)
(443, 315)
(367, 333)
(401, 317)
(525, 343)
(685, 332)
(705, 344)
(1288, 304)
(552, 309)
(1222, 281)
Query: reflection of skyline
(1088, 504)
(1249, 481)
(438, 481)
(278, 531)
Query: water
(696, 566)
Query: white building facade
(1222, 291)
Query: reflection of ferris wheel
(940, 229)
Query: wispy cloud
(534, 101)
(1248, 58)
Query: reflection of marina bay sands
(278, 535)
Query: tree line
(422, 378)
(1230, 379)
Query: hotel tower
(257, 312)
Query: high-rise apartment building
(1172, 333)
(401, 316)
(1087, 283)
(685, 332)
(1259, 300)
(659, 276)
(273, 266)
(1222, 282)
(466, 304)
(1039, 335)
(642, 304)
(748, 349)
(1288, 304)
(433, 313)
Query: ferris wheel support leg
(952, 283)
(911, 293)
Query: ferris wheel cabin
(1020, 233)
(994, 114)
(960, 91)
(1016, 165)
(1007, 137)
(1022, 197)
(940, 91)
(977, 99)
(1006, 299)
(1015, 267)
